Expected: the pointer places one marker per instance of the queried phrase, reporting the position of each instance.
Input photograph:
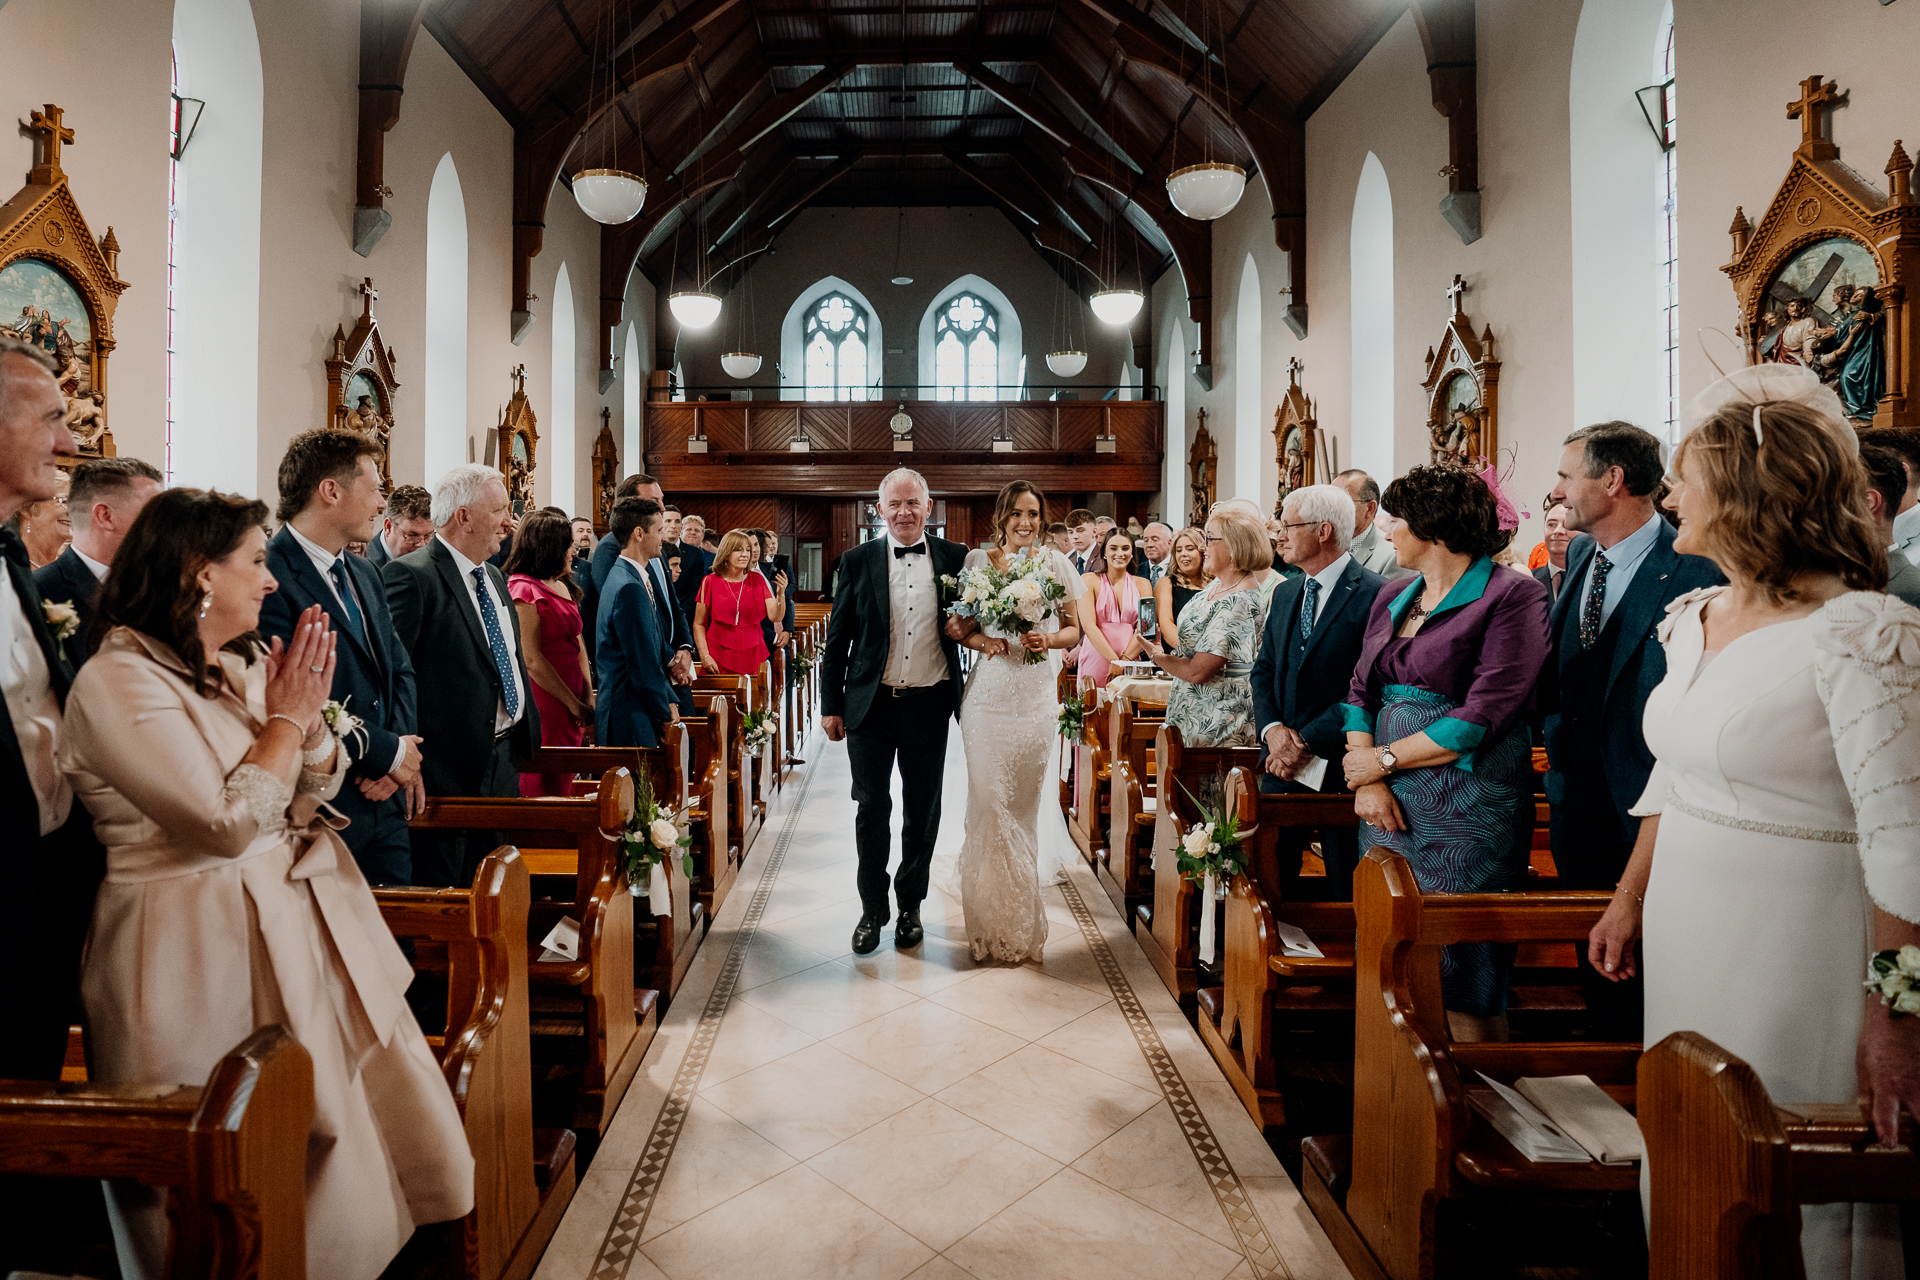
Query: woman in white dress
(1783, 840)
(1008, 722)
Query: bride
(1008, 721)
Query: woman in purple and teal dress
(1438, 753)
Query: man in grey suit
(406, 528)
(1370, 547)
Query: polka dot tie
(1307, 607)
(497, 642)
(1596, 600)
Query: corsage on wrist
(1896, 976)
(341, 727)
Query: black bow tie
(917, 549)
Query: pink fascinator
(1509, 515)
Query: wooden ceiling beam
(780, 108)
(1029, 108)
(763, 189)
(387, 31)
(1447, 35)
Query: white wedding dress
(1009, 725)
(1786, 789)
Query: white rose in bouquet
(1907, 1002)
(1909, 960)
(1199, 840)
(1894, 985)
(663, 833)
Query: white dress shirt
(28, 686)
(914, 656)
(323, 562)
(501, 720)
(98, 570)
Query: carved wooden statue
(1295, 437)
(360, 382)
(1462, 386)
(1203, 466)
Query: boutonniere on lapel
(63, 620)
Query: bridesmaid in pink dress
(1110, 611)
(545, 597)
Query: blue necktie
(497, 642)
(1306, 608)
(355, 623)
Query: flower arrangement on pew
(1073, 718)
(758, 728)
(1210, 851)
(651, 834)
(1896, 976)
(1007, 603)
(799, 665)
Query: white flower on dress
(1678, 606)
(1907, 1002)
(1872, 628)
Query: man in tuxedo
(105, 496)
(890, 677)
(49, 859)
(1605, 662)
(329, 496)
(406, 528)
(676, 620)
(1554, 572)
(696, 561)
(1370, 546)
(1303, 673)
(635, 694)
(475, 710)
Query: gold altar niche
(360, 382)
(1462, 389)
(1296, 438)
(519, 441)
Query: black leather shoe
(907, 933)
(866, 934)
(795, 760)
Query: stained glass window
(966, 350)
(836, 349)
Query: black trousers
(51, 882)
(908, 732)
(377, 835)
(1339, 849)
(448, 859)
(1590, 851)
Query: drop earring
(206, 603)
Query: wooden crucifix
(1454, 290)
(370, 293)
(48, 124)
(1293, 370)
(1816, 133)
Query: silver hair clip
(1756, 427)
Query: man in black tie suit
(406, 527)
(890, 677)
(635, 693)
(49, 860)
(1606, 661)
(671, 604)
(1304, 670)
(453, 615)
(330, 496)
(105, 496)
(1080, 527)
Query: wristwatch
(1387, 762)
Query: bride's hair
(1003, 509)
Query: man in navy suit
(1606, 660)
(1553, 574)
(330, 496)
(105, 496)
(635, 693)
(408, 526)
(674, 614)
(1301, 678)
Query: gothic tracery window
(835, 342)
(966, 350)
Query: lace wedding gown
(1008, 724)
(1784, 785)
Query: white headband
(1759, 385)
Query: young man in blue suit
(330, 496)
(1315, 624)
(635, 691)
(1606, 660)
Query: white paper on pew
(1206, 920)
(562, 943)
(1605, 1128)
(659, 892)
(1295, 942)
(1313, 774)
(1521, 1123)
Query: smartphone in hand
(1149, 617)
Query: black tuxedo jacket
(1596, 750)
(377, 674)
(1304, 691)
(859, 631)
(695, 564)
(69, 579)
(457, 685)
(16, 788)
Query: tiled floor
(805, 1112)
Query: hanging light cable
(1112, 304)
(1212, 188)
(697, 308)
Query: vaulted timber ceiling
(1067, 115)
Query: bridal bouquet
(1896, 976)
(651, 834)
(1007, 603)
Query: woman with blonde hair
(1186, 577)
(1212, 665)
(731, 606)
(1781, 841)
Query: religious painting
(1818, 280)
(1462, 388)
(519, 436)
(59, 286)
(1203, 468)
(361, 385)
(1295, 437)
(606, 472)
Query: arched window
(966, 350)
(444, 358)
(836, 349)
(1670, 232)
(1370, 284)
(559, 463)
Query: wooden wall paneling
(733, 511)
(1136, 425)
(826, 425)
(960, 523)
(867, 426)
(1079, 424)
(974, 426)
(770, 426)
(810, 517)
(1032, 427)
(667, 427)
(846, 529)
(725, 424)
(1058, 504)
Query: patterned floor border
(1255, 1244)
(622, 1240)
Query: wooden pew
(232, 1153)
(743, 810)
(1730, 1168)
(617, 1015)
(769, 763)
(1125, 869)
(1393, 1201)
(1092, 778)
(1168, 928)
(523, 1177)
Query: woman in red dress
(734, 601)
(545, 597)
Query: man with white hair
(890, 677)
(475, 715)
(1315, 625)
(1153, 559)
(1370, 546)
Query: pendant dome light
(608, 194)
(1067, 364)
(1117, 306)
(1212, 188)
(694, 308)
(742, 363)
(1070, 360)
(899, 236)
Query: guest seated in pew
(1438, 752)
(635, 651)
(547, 600)
(734, 605)
(230, 901)
(1305, 668)
(1782, 840)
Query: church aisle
(805, 1112)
